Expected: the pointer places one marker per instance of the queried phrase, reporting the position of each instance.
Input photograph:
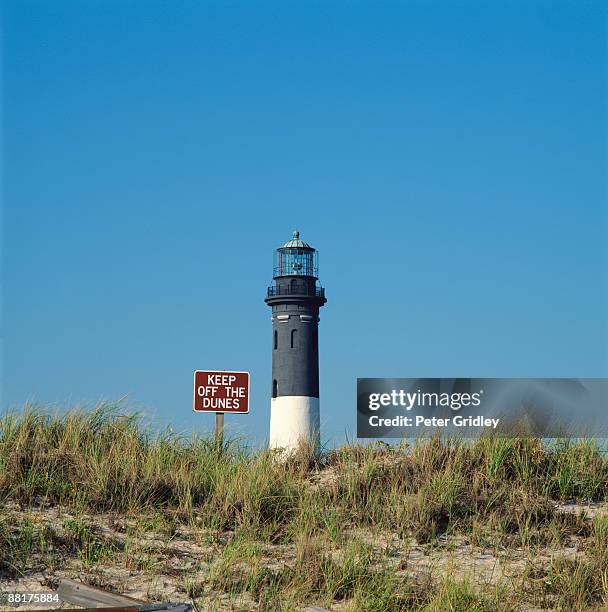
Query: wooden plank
(94, 609)
(79, 594)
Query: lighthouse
(295, 298)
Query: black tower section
(295, 299)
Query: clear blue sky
(448, 160)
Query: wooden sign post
(219, 429)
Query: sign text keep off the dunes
(218, 391)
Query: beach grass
(498, 493)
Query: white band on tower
(294, 419)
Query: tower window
(275, 388)
(293, 337)
(276, 339)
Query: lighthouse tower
(295, 299)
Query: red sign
(221, 391)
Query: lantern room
(296, 258)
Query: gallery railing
(296, 290)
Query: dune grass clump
(439, 486)
(103, 461)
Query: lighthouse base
(294, 420)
